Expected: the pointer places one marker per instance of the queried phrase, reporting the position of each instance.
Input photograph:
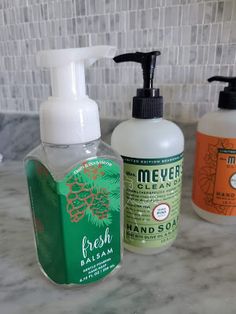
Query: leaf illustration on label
(112, 177)
(85, 198)
(128, 182)
(207, 179)
(214, 164)
(76, 220)
(93, 172)
(151, 191)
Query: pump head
(70, 116)
(148, 62)
(67, 68)
(227, 98)
(148, 103)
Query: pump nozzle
(148, 62)
(226, 79)
(67, 68)
(148, 103)
(227, 99)
(70, 116)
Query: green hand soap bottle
(74, 177)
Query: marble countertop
(196, 275)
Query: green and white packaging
(74, 178)
(152, 149)
(152, 190)
(76, 220)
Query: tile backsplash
(197, 39)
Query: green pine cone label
(152, 191)
(77, 220)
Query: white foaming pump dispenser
(74, 176)
(70, 116)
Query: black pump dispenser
(148, 103)
(227, 98)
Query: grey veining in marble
(195, 276)
(19, 134)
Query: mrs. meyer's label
(152, 191)
(214, 184)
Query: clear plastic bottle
(74, 178)
(60, 159)
(152, 151)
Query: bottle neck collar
(68, 81)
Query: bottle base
(147, 251)
(76, 284)
(214, 218)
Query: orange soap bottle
(214, 180)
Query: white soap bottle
(152, 151)
(74, 177)
(214, 180)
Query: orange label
(214, 183)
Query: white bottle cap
(69, 116)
